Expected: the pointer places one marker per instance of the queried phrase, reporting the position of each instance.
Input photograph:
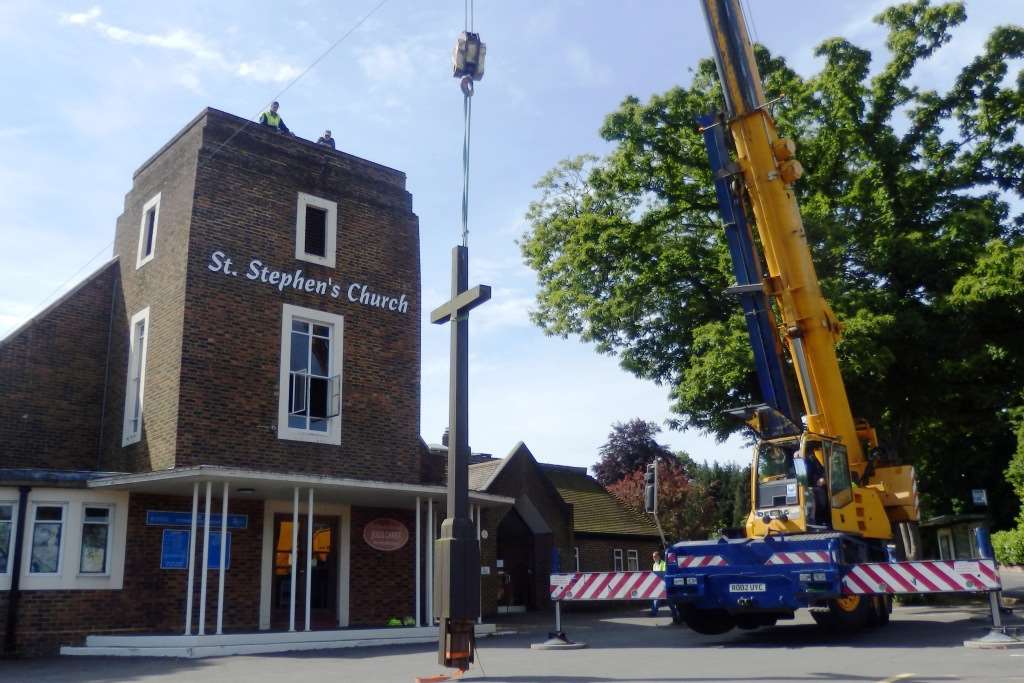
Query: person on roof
(326, 139)
(273, 119)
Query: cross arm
(463, 303)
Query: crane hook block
(468, 56)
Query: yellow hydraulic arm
(809, 327)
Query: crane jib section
(769, 169)
(746, 263)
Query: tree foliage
(630, 447)
(911, 207)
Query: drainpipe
(12, 594)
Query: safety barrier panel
(583, 586)
(939, 576)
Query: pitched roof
(595, 510)
(481, 473)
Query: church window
(135, 388)
(147, 232)
(310, 391)
(316, 230)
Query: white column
(191, 560)
(430, 562)
(418, 610)
(223, 556)
(294, 557)
(206, 560)
(480, 601)
(309, 556)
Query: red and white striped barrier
(809, 557)
(697, 561)
(940, 576)
(607, 586)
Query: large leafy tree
(911, 206)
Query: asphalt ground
(921, 643)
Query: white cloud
(387, 63)
(194, 45)
(82, 17)
(587, 71)
(507, 308)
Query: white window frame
(14, 532)
(576, 555)
(33, 518)
(617, 563)
(331, 228)
(128, 435)
(337, 323)
(632, 561)
(110, 537)
(140, 258)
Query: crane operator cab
(797, 481)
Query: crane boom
(769, 168)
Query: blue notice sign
(165, 518)
(213, 560)
(174, 549)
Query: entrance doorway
(515, 554)
(324, 579)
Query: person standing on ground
(658, 567)
(326, 139)
(273, 119)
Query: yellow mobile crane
(844, 449)
(824, 497)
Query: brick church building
(213, 441)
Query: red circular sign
(385, 534)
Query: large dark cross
(457, 580)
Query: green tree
(909, 206)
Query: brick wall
(152, 599)
(382, 584)
(245, 206)
(159, 284)
(596, 552)
(51, 374)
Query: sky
(94, 88)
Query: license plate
(746, 588)
(679, 581)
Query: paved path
(921, 644)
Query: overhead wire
(42, 304)
(467, 120)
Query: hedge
(1009, 546)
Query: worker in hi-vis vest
(657, 566)
(273, 119)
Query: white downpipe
(223, 556)
(206, 562)
(294, 557)
(430, 562)
(191, 560)
(309, 557)
(418, 610)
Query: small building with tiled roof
(562, 520)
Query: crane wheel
(850, 612)
(708, 622)
(881, 608)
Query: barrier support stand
(997, 637)
(557, 640)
